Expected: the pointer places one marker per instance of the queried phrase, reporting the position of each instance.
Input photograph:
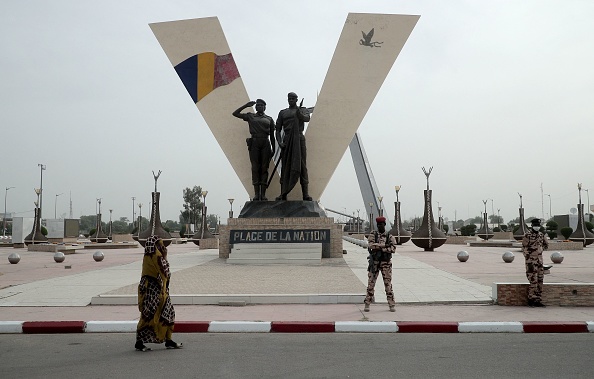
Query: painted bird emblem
(366, 40)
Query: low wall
(115, 238)
(460, 240)
(562, 294)
(563, 245)
(503, 236)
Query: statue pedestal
(282, 230)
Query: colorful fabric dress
(157, 315)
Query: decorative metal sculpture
(99, 236)
(523, 229)
(400, 234)
(581, 234)
(36, 237)
(155, 227)
(428, 236)
(484, 232)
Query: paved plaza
(429, 286)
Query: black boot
(305, 192)
(263, 192)
(256, 193)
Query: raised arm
(237, 113)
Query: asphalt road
(269, 355)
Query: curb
(55, 327)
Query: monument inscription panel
(280, 236)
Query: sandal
(169, 344)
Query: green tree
(551, 228)
(173, 225)
(566, 232)
(192, 207)
(87, 223)
(212, 220)
(468, 230)
(589, 225)
(494, 219)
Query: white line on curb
(590, 326)
(9, 327)
(111, 326)
(490, 327)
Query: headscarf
(150, 246)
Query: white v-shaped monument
(367, 48)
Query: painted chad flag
(204, 72)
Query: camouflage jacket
(389, 247)
(534, 243)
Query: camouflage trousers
(535, 275)
(386, 269)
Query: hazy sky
(497, 96)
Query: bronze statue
(293, 150)
(262, 130)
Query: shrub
(552, 235)
(468, 230)
(446, 228)
(566, 232)
(182, 231)
(496, 229)
(504, 227)
(589, 225)
(43, 230)
(92, 231)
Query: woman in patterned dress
(157, 315)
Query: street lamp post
(110, 223)
(133, 212)
(498, 219)
(139, 217)
(42, 167)
(204, 193)
(550, 208)
(588, 194)
(358, 222)
(4, 219)
(493, 213)
(231, 211)
(56, 205)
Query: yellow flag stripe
(206, 63)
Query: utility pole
(542, 200)
(42, 167)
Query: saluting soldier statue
(260, 144)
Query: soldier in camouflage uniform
(533, 244)
(381, 246)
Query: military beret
(292, 94)
(260, 101)
(380, 219)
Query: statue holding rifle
(292, 121)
